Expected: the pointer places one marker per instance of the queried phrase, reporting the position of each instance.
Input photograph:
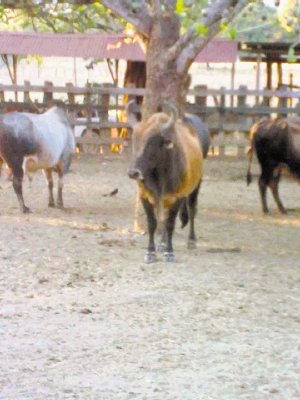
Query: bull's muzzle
(134, 173)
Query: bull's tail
(250, 156)
(251, 150)
(184, 215)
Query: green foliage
(180, 6)
(260, 23)
(232, 33)
(291, 57)
(191, 13)
(201, 29)
(289, 16)
(257, 22)
(59, 17)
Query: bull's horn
(130, 115)
(169, 107)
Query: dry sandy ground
(82, 316)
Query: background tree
(67, 16)
(259, 22)
(171, 49)
(289, 17)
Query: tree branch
(137, 14)
(156, 8)
(189, 45)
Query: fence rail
(229, 113)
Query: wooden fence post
(48, 93)
(221, 133)
(26, 92)
(2, 97)
(283, 101)
(242, 97)
(266, 101)
(103, 102)
(71, 101)
(201, 101)
(88, 102)
(242, 118)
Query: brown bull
(167, 164)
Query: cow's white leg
(17, 185)
(49, 177)
(60, 186)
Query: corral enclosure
(82, 316)
(225, 110)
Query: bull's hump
(18, 122)
(14, 118)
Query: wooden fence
(229, 113)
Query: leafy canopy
(258, 22)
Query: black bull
(167, 164)
(277, 144)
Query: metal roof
(219, 50)
(95, 45)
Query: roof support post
(258, 72)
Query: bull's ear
(168, 144)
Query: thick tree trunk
(163, 80)
(136, 74)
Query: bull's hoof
(150, 257)
(191, 244)
(169, 257)
(26, 210)
(161, 247)
(60, 205)
(51, 204)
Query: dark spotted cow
(277, 145)
(29, 142)
(167, 164)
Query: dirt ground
(82, 316)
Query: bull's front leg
(150, 255)
(263, 194)
(49, 177)
(169, 229)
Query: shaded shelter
(270, 53)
